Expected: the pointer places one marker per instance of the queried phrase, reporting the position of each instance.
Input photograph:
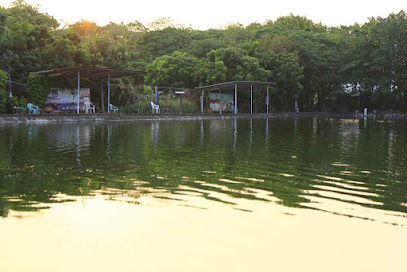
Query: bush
(38, 88)
(3, 91)
(16, 102)
(165, 102)
(144, 108)
(175, 105)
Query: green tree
(201, 47)
(166, 41)
(62, 51)
(25, 31)
(231, 58)
(250, 69)
(212, 72)
(240, 66)
(38, 87)
(308, 60)
(276, 43)
(286, 71)
(3, 91)
(116, 46)
(295, 22)
(379, 59)
(176, 70)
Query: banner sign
(65, 100)
(217, 100)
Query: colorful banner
(220, 100)
(65, 100)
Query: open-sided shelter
(93, 72)
(235, 85)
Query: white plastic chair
(113, 109)
(89, 107)
(155, 108)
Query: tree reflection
(219, 160)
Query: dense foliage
(337, 68)
(3, 91)
(38, 89)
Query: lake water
(216, 195)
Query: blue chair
(113, 109)
(32, 109)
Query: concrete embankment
(123, 117)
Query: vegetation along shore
(334, 69)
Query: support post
(202, 102)
(138, 100)
(235, 111)
(267, 101)
(221, 105)
(79, 91)
(102, 102)
(139, 84)
(182, 96)
(155, 95)
(108, 93)
(251, 99)
(9, 84)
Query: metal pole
(235, 111)
(251, 99)
(155, 94)
(108, 93)
(79, 94)
(138, 93)
(138, 100)
(102, 103)
(9, 82)
(202, 102)
(221, 105)
(181, 104)
(267, 102)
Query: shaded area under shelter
(235, 86)
(93, 72)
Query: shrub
(38, 88)
(3, 91)
(16, 102)
(175, 105)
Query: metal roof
(89, 71)
(231, 85)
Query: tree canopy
(312, 63)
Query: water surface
(226, 195)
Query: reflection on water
(353, 168)
(220, 195)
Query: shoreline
(131, 117)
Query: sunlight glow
(214, 14)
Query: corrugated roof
(89, 71)
(231, 85)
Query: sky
(216, 13)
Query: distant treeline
(324, 68)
